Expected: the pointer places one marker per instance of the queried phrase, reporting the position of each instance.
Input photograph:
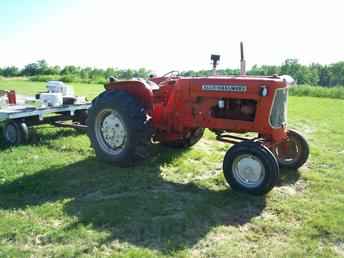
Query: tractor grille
(278, 116)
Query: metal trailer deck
(16, 119)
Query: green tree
(43, 67)
(54, 70)
(10, 71)
(70, 70)
(30, 69)
(336, 74)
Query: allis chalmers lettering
(227, 88)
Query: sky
(165, 35)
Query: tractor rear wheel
(190, 139)
(119, 128)
(293, 152)
(250, 167)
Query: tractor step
(229, 138)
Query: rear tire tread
(137, 122)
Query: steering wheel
(171, 74)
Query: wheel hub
(113, 131)
(248, 170)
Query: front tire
(250, 167)
(293, 152)
(119, 128)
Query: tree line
(313, 74)
(41, 71)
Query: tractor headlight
(221, 104)
(263, 91)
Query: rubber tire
(304, 151)
(21, 130)
(267, 158)
(81, 116)
(136, 121)
(187, 142)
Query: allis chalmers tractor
(174, 110)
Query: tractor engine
(235, 109)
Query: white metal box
(51, 99)
(60, 87)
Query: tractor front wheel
(250, 167)
(293, 152)
(119, 128)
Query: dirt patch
(292, 189)
(339, 248)
(209, 145)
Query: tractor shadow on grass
(43, 137)
(133, 205)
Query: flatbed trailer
(16, 119)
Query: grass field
(57, 200)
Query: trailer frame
(16, 119)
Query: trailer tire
(194, 137)
(119, 128)
(15, 133)
(301, 152)
(81, 116)
(250, 167)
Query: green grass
(57, 200)
(317, 91)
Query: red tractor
(174, 110)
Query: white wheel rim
(248, 170)
(111, 132)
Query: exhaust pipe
(214, 60)
(242, 60)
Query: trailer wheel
(189, 140)
(293, 152)
(119, 128)
(81, 117)
(251, 168)
(15, 133)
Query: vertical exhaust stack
(215, 59)
(242, 60)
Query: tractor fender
(139, 89)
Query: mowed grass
(57, 200)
